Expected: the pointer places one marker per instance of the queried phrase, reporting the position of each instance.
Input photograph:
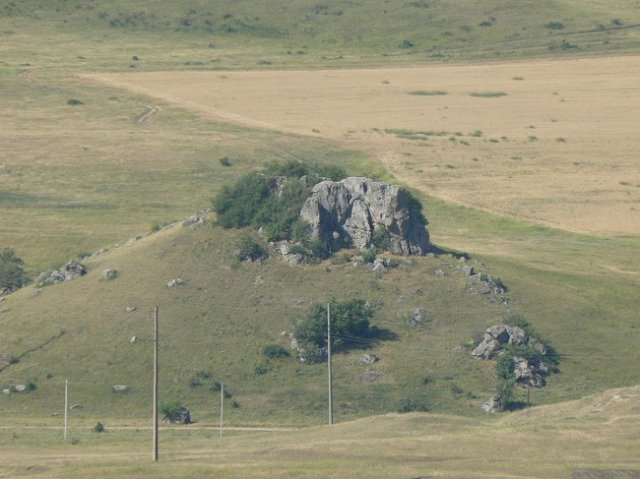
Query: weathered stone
(379, 265)
(109, 273)
(119, 388)
(496, 337)
(196, 221)
(20, 388)
(367, 359)
(133, 339)
(349, 211)
(175, 282)
(492, 405)
(467, 270)
(6, 391)
(416, 315)
(130, 309)
(439, 272)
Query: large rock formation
(349, 211)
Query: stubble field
(549, 141)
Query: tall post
(221, 407)
(155, 385)
(66, 406)
(330, 376)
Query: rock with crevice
(350, 211)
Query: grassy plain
(592, 438)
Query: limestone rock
(119, 388)
(496, 337)
(109, 273)
(69, 271)
(175, 282)
(197, 220)
(367, 359)
(492, 405)
(349, 211)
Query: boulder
(349, 211)
(69, 271)
(196, 221)
(119, 388)
(175, 282)
(496, 337)
(492, 405)
(367, 359)
(109, 273)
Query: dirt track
(554, 142)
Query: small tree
(350, 322)
(12, 276)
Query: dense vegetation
(350, 326)
(12, 274)
(272, 199)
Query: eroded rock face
(349, 211)
(498, 336)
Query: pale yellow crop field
(555, 142)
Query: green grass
(488, 94)
(428, 93)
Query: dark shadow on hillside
(438, 251)
(373, 336)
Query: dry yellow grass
(558, 148)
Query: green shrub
(12, 276)
(350, 324)
(411, 404)
(251, 248)
(271, 199)
(369, 255)
(381, 239)
(555, 25)
(171, 409)
(99, 427)
(274, 351)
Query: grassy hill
(83, 167)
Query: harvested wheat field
(554, 142)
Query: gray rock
(496, 337)
(439, 272)
(416, 315)
(175, 282)
(109, 273)
(182, 416)
(492, 405)
(352, 209)
(69, 271)
(20, 388)
(467, 270)
(379, 265)
(119, 388)
(367, 359)
(6, 391)
(196, 221)
(130, 309)
(133, 339)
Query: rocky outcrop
(498, 336)
(348, 212)
(69, 271)
(528, 372)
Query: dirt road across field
(555, 142)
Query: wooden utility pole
(330, 377)
(155, 385)
(66, 406)
(221, 407)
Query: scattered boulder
(492, 405)
(351, 210)
(175, 283)
(380, 265)
(197, 220)
(20, 388)
(119, 388)
(367, 359)
(109, 273)
(6, 391)
(415, 316)
(439, 272)
(480, 283)
(130, 309)
(133, 339)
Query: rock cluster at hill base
(529, 373)
(348, 212)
